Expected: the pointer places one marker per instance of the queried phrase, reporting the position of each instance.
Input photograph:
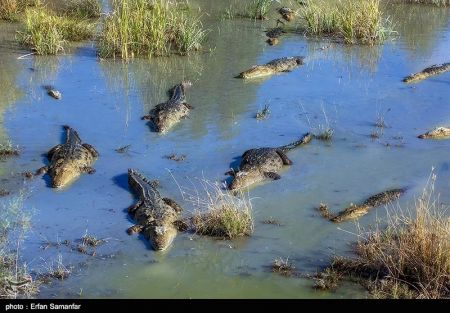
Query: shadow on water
(122, 181)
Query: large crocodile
(69, 160)
(262, 163)
(429, 71)
(356, 211)
(286, 64)
(167, 114)
(155, 215)
(437, 133)
(286, 13)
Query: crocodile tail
(306, 138)
(71, 134)
(133, 172)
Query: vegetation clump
(47, 32)
(11, 9)
(149, 28)
(408, 259)
(354, 22)
(439, 3)
(8, 150)
(220, 213)
(283, 267)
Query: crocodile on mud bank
(356, 211)
(437, 133)
(263, 163)
(69, 160)
(167, 114)
(155, 216)
(429, 71)
(286, 64)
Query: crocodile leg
(88, 169)
(43, 170)
(91, 149)
(187, 105)
(272, 175)
(135, 229)
(284, 158)
(132, 209)
(173, 204)
(232, 172)
(146, 117)
(52, 151)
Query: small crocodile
(155, 215)
(286, 64)
(69, 160)
(356, 211)
(167, 114)
(437, 133)
(286, 13)
(429, 71)
(259, 164)
(52, 92)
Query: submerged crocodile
(69, 160)
(437, 133)
(167, 114)
(263, 163)
(154, 215)
(274, 34)
(52, 92)
(286, 64)
(429, 71)
(356, 211)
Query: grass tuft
(46, 33)
(218, 212)
(142, 28)
(283, 267)
(411, 256)
(264, 113)
(354, 22)
(10, 10)
(8, 150)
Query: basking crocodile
(273, 34)
(437, 133)
(429, 71)
(155, 215)
(286, 64)
(356, 211)
(69, 160)
(167, 114)
(259, 164)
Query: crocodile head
(160, 236)
(64, 173)
(299, 60)
(244, 179)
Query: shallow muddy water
(104, 100)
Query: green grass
(10, 10)
(86, 9)
(353, 22)
(439, 3)
(139, 28)
(46, 33)
(410, 258)
(15, 280)
(218, 212)
(257, 9)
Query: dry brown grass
(218, 212)
(411, 257)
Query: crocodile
(274, 34)
(167, 114)
(262, 163)
(356, 211)
(286, 13)
(429, 71)
(52, 92)
(154, 214)
(286, 64)
(437, 133)
(69, 160)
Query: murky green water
(104, 101)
